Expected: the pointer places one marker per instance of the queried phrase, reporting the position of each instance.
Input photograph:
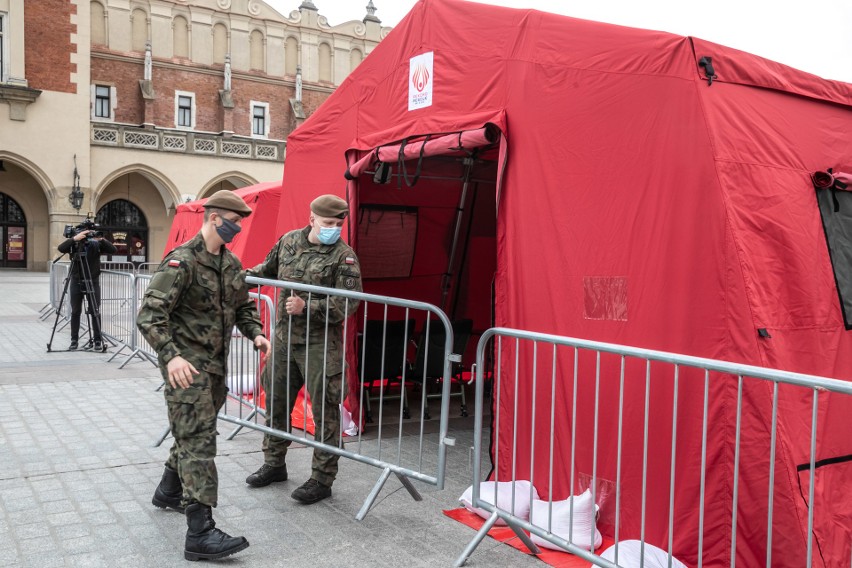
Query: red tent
(621, 185)
(258, 230)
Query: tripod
(80, 273)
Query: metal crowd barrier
(117, 265)
(134, 341)
(554, 361)
(58, 273)
(147, 267)
(383, 448)
(118, 310)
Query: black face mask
(227, 230)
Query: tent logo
(421, 80)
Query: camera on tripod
(88, 224)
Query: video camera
(88, 224)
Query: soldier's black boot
(203, 540)
(169, 492)
(266, 475)
(311, 491)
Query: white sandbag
(630, 554)
(241, 384)
(504, 498)
(583, 521)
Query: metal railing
(382, 450)
(535, 396)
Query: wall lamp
(76, 197)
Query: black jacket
(94, 250)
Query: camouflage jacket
(296, 259)
(192, 304)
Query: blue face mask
(228, 230)
(328, 235)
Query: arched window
(256, 41)
(140, 30)
(324, 62)
(220, 43)
(13, 233)
(124, 224)
(180, 37)
(98, 24)
(355, 58)
(291, 54)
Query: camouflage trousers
(192, 418)
(281, 394)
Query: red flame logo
(420, 78)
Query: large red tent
(621, 185)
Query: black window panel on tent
(387, 236)
(835, 207)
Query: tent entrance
(425, 226)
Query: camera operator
(91, 244)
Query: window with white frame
(259, 119)
(184, 109)
(3, 50)
(103, 102)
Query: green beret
(330, 206)
(226, 199)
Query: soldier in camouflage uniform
(190, 307)
(313, 255)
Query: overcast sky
(812, 35)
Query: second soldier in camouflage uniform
(313, 255)
(190, 307)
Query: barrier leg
(162, 437)
(483, 532)
(365, 508)
(531, 546)
(410, 486)
(236, 431)
(114, 355)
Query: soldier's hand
(180, 372)
(294, 305)
(263, 344)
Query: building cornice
(18, 98)
(208, 71)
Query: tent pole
(445, 283)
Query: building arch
(325, 62)
(98, 19)
(257, 48)
(180, 36)
(139, 29)
(221, 36)
(228, 180)
(291, 55)
(355, 58)
(168, 191)
(37, 173)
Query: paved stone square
(78, 468)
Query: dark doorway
(124, 224)
(13, 233)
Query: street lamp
(76, 197)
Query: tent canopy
(629, 199)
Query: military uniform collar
(204, 257)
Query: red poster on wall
(15, 245)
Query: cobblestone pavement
(78, 468)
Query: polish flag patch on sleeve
(174, 263)
(350, 260)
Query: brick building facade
(134, 106)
